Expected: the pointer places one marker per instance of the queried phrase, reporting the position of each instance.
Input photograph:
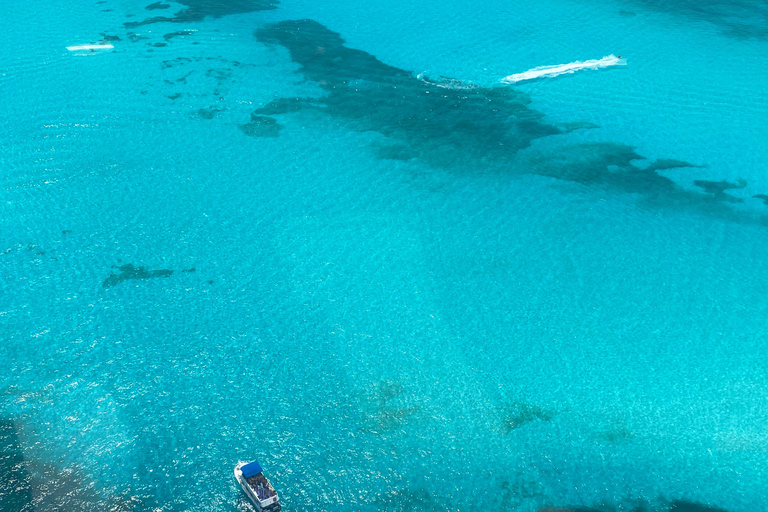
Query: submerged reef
(388, 412)
(128, 271)
(208, 113)
(674, 506)
(157, 5)
(261, 126)
(407, 500)
(718, 188)
(27, 485)
(180, 33)
(443, 125)
(198, 10)
(15, 481)
(617, 434)
(741, 19)
(687, 506)
(521, 413)
(460, 127)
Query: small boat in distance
(560, 69)
(257, 487)
(91, 47)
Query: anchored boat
(257, 487)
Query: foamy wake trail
(445, 82)
(560, 69)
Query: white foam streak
(560, 69)
(89, 47)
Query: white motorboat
(257, 487)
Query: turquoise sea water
(325, 236)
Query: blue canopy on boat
(250, 469)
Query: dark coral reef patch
(453, 125)
(521, 413)
(128, 271)
(742, 19)
(157, 5)
(674, 506)
(29, 484)
(261, 126)
(441, 123)
(198, 10)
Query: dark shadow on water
(198, 10)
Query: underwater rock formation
(157, 5)
(675, 506)
(452, 125)
(388, 413)
(617, 434)
(28, 485)
(407, 500)
(718, 188)
(741, 19)
(520, 413)
(15, 488)
(443, 125)
(180, 33)
(668, 163)
(687, 506)
(130, 272)
(208, 113)
(261, 126)
(198, 10)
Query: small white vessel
(257, 487)
(90, 47)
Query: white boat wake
(90, 47)
(446, 83)
(561, 69)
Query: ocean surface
(325, 236)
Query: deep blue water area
(327, 237)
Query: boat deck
(261, 486)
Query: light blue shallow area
(435, 330)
